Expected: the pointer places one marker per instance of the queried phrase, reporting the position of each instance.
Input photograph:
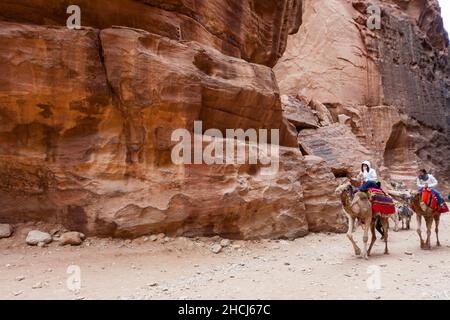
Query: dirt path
(319, 266)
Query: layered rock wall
(390, 86)
(87, 117)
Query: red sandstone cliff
(86, 115)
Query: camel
(357, 206)
(422, 210)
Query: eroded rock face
(323, 207)
(299, 113)
(86, 140)
(387, 86)
(337, 145)
(193, 82)
(86, 115)
(413, 66)
(325, 60)
(254, 30)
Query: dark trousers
(367, 185)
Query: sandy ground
(319, 266)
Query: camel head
(345, 188)
(417, 202)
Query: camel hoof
(438, 244)
(386, 252)
(358, 252)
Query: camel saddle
(429, 198)
(381, 202)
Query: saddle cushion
(381, 202)
(430, 199)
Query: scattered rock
(216, 248)
(37, 285)
(20, 278)
(72, 238)
(35, 237)
(17, 293)
(225, 243)
(408, 253)
(5, 230)
(153, 238)
(161, 236)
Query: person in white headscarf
(426, 180)
(368, 176)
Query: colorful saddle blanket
(381, 202)
(430, 199)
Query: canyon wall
(389, 86)
(86, 118)
(87, 115)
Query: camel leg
(367, 224)
(419, 230)
(385, 223)
(429, 223)
(436, 224)
(374, 237)
(351, 229)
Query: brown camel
(357, 206)
(422, 210)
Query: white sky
(445, 8)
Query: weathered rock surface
(337, 145)
(254, 30)
(6, 230)
(390, 86)
(301, 115)
(193, 83)
(72, 238)
(323, 207)
(95, 154)
(325, 60)
(86, 116)
(36, 237)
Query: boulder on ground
(72, 238)
(35, 237)
(5, 230)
